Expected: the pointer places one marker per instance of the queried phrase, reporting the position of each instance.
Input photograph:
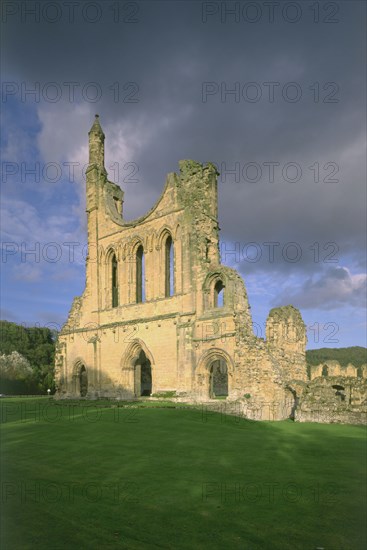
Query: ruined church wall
(336, 399)
(183, 334)
(332, 367)
(286, 341)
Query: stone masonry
(160, 313)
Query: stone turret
(96, 178)
(96, 144)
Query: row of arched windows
(214, 289)
(140, 273)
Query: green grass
(146, 475)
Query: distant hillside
(355, 355)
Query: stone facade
(160, 313)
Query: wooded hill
(355, 355)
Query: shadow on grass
(133, 476)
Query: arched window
(219, 294)
(114, 282)
(339, 391)
(169, 267)
(325, 371)
(140, 275)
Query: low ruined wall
(336, 416)
(334, 400)
(334, 368)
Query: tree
(15, 367)
(36, 347)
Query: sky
(274, 93)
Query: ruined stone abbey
(160, 314)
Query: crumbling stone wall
(334, 368)
(335, 399)
(286, 339)
(112, 332)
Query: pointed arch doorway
(80, 377)
(213, 375)
(142, 375)
(137, 370)
(218, 379)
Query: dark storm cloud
(170, 54)
(334, 289)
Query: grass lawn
(78, 477)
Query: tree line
(355, 355)
(26, 359)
